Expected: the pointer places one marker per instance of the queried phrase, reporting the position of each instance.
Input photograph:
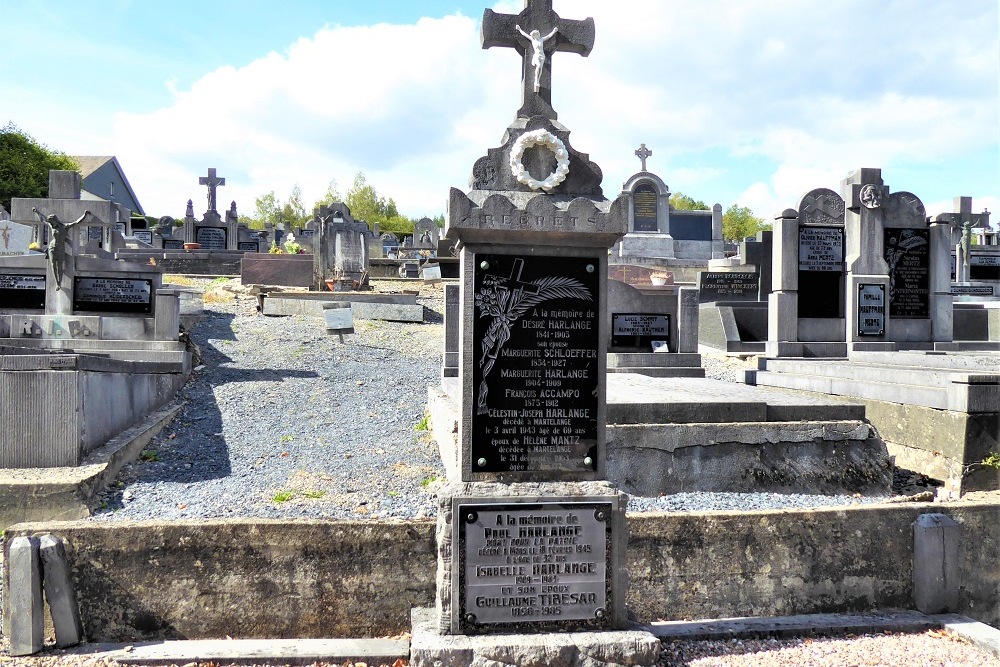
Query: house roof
(91, 163)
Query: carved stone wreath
(550, 141)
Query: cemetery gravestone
(728, 286)
(532, 362)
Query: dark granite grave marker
(544, 564)
(535, 371)
(113, 295)
(22, 291)
(639, 330)
(984, 267)
(728, 286)
(145, 236)
(250, 246)
(644, 203)
(821, 271)
(907, 252)
(173, 244)
(871, 309)
(211, 238)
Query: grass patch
(393, 494)
(149, 456)
(287, 438)
(283, 496)
(313, 495)
(427, 481)
(174, 279)
(218, 297)
(424, 424)
(221, 280)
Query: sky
(753, 103)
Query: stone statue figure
(56, 249)
(966, 245)
(538, 48)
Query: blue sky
(749, 102)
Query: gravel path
(283, 421)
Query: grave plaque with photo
(22, 291)
(143, 235)
(821, 271)
(546, 564)
(907, 253)
(871, 309)
(535, 366)
(728, 286)
(113, 295)
(211, 238)
(644, 203)
(639, 330)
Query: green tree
(366, 204)
(332, 195)
(294, 212)
(25, 164)
(738, 222)
(682, 202)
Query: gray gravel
(283, 421)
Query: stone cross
(643, 154)
(213, 182)
(536, 33)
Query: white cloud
(750, 102)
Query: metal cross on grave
(536, 33)
(643, 154)
(515, 285)
(213, 182)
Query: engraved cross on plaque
(536, 33)
(643, 154)
(515, 285)
(213, 182)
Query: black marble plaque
(728, 286)
(144, 235)
(821, 249)
(113, 295)
(821, 272)
(535, 377)
(639, 330)
(547, 564)
(173, 244)
(644, 208)
(307, 233)
(907, 252)
(211, 238)
(251, 246)
(22, 291)
(871, 309)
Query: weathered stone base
(635, 647)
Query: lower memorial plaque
(113, 295)
(535, 364)
(211, 238)
(22, 291)
(871, 309)
(248, 246)
(728, 286)
(173, 244)
(143, 235)
(547, 564)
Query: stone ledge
(636, 646)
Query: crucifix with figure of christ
(213, 182)
(536, 33)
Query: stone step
(663, 371)
(652, 359)
(879, 372)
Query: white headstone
(14, 238)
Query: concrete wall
(338, 579)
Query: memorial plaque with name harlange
(871, 310)
(907, 253)
(22, 291)
(144, 235)
(639, 330)
(113, 295)
(211, 238)
(821, 248)
(535, 364)
(728, 286)
(546, 564)
(644, 209)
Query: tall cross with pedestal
(536, 33)
(643, 154)
(213, 182)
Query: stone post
(936, 579)
(22, 601)
(718, 241)
(783, 301)
(688, 311)
(167, 314)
